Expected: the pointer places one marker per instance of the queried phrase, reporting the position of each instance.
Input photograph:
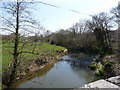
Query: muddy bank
(36, 72)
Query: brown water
(71, 72)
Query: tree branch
(7, 29)
(9, 22)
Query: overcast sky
(55, 18)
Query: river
(71, 72)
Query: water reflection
(82, 71)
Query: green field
(41, 49)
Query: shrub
(93, 66)
(101, 71)
(107, 64)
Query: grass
(41, 49)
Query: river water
(71, 72)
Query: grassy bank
(42, 49)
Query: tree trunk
(34, 47)
(15, 54)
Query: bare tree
(17, 19)
(116, 11)
(101, 25)
(116, 15)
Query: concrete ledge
(100, 84)
(114, 80)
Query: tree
(79, 27)
(17, 19)
(101, 26)
(82, 26)
(116, 15)
(116, 11)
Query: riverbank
(30, 63)
(108, 66)
(36, 72)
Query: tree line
(97, 34)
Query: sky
(56, 18)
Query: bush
(101, 71)
(93, 66)
(107, 64)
